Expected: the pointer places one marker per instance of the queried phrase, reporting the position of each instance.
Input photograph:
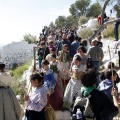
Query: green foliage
(109, 32)
(72, 10)
(60, 21)
(82, 20)
(70, 21)
(19, 89)
(52, 25)
(85, 33)
(79, 8)
(95, 9)
(18, 72)
(82, 6)
(30, 38)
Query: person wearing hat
(9, 106)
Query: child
(42, 53)
(49, 80)
(64, 58)
(37, 99)
(74, 84)
(54, 66)
(52, 51)
(57, 95)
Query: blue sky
(20, 17)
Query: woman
(74, 84)
(9, 106)
(102, 106)
(51, 86)
(81, 52)
(37, 99)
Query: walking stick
(111, 64)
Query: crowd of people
(68, 65)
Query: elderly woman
(9, 106)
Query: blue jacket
(74, 47)
(106, 87)
(49, 80)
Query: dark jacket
(42, 53)
(103, 108)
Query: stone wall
(17, 53)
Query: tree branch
(103, 10)
(101, 27)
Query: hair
(37, 76)
(109, 65)
(42, 43)
(45, 62)
(53, 49)
(82, 48)
(53, 55)
(65, 45)
(108, 73)
(76, 37)
(99, 37)
(2, 66)
(78, 58)
(84, 42)
(94, 42)
(89, 78)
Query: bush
(85, 33)
(18, 72)
(82, 20)
(19, 89)
(109, 32)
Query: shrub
(85, 33)
(82, 20)
(19, 89)
(18, 72)
(109, 32)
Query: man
(59, 43)
(66, 41)
(116, 25)
(74, 46)
(96, 53)
(99, 43)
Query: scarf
(86, 90)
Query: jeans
(39, 62)
(119, 57)
(116, 25)
(96, 65)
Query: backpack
(85, 107)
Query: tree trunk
(101, 27)
(103, 24)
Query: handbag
(50, 114)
